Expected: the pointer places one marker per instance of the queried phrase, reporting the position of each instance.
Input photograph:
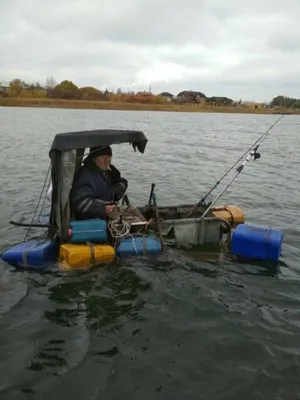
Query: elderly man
(98, 186)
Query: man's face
(104, 161)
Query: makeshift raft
(82, 244)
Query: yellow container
(233, 214)
(74, 256)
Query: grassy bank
(111, 105)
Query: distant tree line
(285, 102)
(67, 90)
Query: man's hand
(109, 209)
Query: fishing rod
(260, 139)
(239, 169)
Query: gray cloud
(246, 50)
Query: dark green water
(177, 327)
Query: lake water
(182, 328)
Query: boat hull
(177, 228)
(184, 230)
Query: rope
(38, 203)
(120, 229)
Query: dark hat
(100, 151)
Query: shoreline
(123, 106)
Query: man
(98, 186)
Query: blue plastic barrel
(33, 254)
(138, 245)
(90, 230)
(257, 242)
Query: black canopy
(101, 137)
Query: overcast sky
(235, 48)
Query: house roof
(191, 93)
(166, 94)
(145, 93)
(220, 98)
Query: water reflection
(102, 298)
(50, 355)
(174, 313)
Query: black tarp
(101, 137)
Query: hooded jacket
(94, 188)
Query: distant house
(145, 94)
(4, 86)
(107, 94)
(219, 101)
(166, 95)
(252, 104)
(36, 88)
(191, 96)
(40, 88)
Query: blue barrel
(138, 245)
(33, 254)
(257, 242)
(90, 230)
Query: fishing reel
(208, 200)
(255, 154)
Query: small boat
(72, 244)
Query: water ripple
(170, 327)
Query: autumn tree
(90, 93)
(33, 91)
(66, 90)
(15, 87)
(283, 101)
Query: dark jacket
(93, 189)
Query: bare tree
(50, 85)
(50, 82)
